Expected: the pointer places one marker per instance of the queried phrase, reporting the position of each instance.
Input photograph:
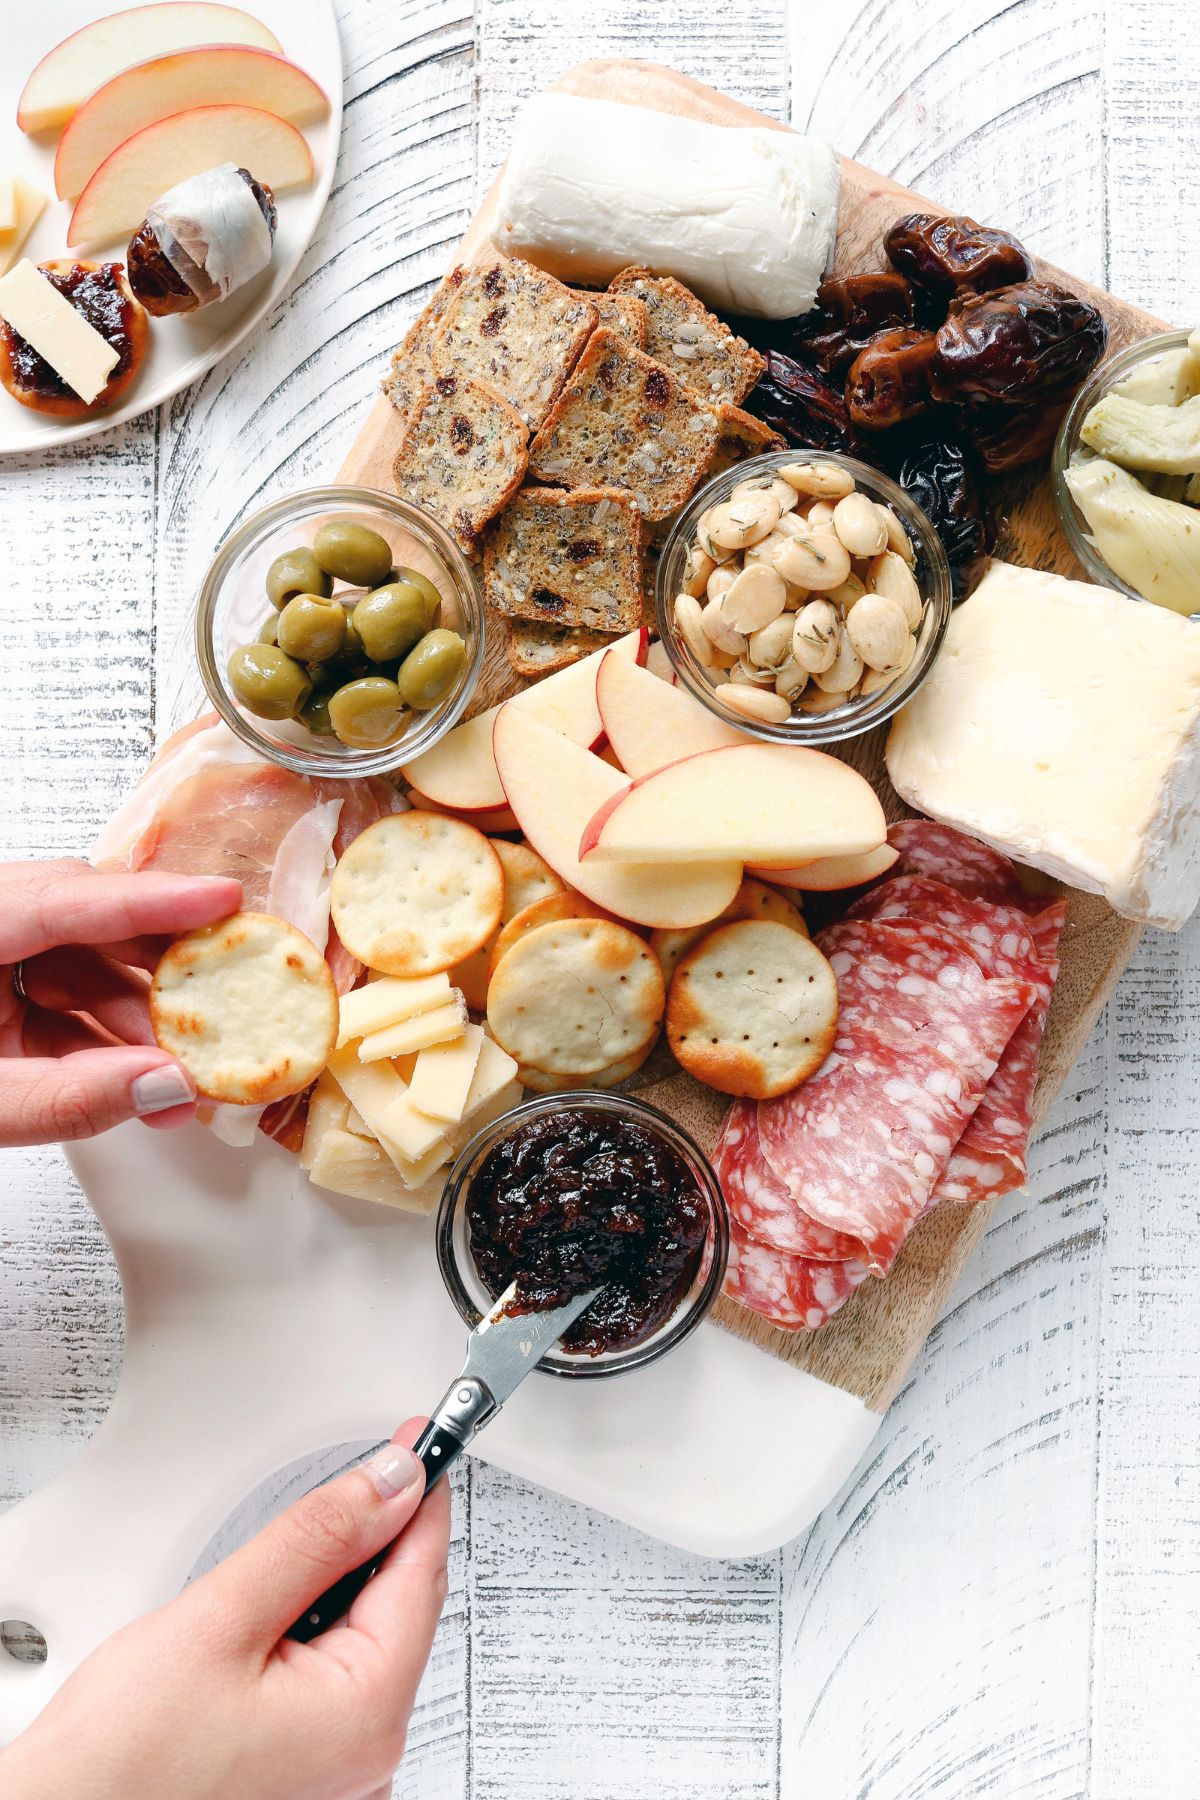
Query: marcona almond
(878, 631)
(897, 538)
(720, 631)
(721, 580)
(754, 599)
(822, 478)
(791, 681)
(857, 523)
(771, 645)
(758, 704)
(820, 515)
(741, 522)
(815, 636)
(889, 574)
(844, 672)
(817, 562)
(689, 622)
(696, 571)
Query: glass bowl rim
(331, 497)
(696, 1304)
(1070, 520)
(818, 729)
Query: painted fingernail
(159, 1089)
(392, 1470)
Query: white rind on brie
(745, 216)
(1061, 723)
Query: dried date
(1012, 437)
(939, 475)
(797, 402)
(948, 255)
(888, 383)
(1025, 342)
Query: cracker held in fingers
(416, 893)
(248, 1006)
(462, 457)
(516, 329)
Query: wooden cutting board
(869, 1345)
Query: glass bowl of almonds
(802, 596)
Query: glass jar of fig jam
(580, 1190)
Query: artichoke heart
(1152, 544)
(1163, 438)
(1166, 380)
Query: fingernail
(159, 1089)
(392, 1470)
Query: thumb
(265, 1586)
(53, 1099)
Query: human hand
(75, 1026)
(206, 1699)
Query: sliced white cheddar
(420, 1172)
(433, 1027)
(351, 1165)
(414, 1134)
(29, 205)
(8, 200)
(75, 350)
(328, 1110)
(1061, 723)
(388, 1001)
(357, 1124)
(494, 1070)
(380, 1097)
(443, 1076)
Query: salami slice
(999, 937)
(862, 1144)
(939, 851)
(759, 1204)
(795, 1292)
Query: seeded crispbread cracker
(575, 996)
(416, 892)
(517, 329)
(683, 334)
(753, 900)
(752, 1009)
(526, 877)
(248, 1006)
(411, 368)
(462, 456)
(620, 313)
(624, 420)
(567, 557)
(742, 436)
(534, 650)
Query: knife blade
(501, 1351)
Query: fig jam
(568, 1202)
(97, 293)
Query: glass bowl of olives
(340, 631)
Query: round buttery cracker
(576, 995)
(753, 900)
(609, 1077)
(546, 911)
(416, 893)
(248, 1006)
(526, 877)
(752, 1009)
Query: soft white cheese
(75, 350)
(743, 215)
(1061, 723)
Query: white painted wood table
(1005, 1599)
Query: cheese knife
(500, 1353)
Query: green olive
(315, 713)
(353, 553)
(296, 572)
(365, 714)
(390, 620)
(433, 598)
(312, 629)
(267, 682)
(268, 632)
(428, 673)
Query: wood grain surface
(1005, 1598)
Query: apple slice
(81, 63)
(554, 787)
(659, 663)
(650, 724)
(460, 771)
(756, 803)
(211, 75)
(154, 159)
(830, 872)
(489, 821)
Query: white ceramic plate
(181, 349)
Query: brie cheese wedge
(1061, 723)
(743, 215)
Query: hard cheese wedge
(328, 1110)
(74, 349)
(1061, 723)
(495, 1069)
(442, 1078)
(8, 200)
(346, 1164)
(29, 203)
(379, 1095)
(388, 1001)
(432, 1027)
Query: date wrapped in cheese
(1061, 723)
(204, 238)
(743, 215)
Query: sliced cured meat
(939, 851)
(998, 936)
(796, 1293)
(758, 1202)
(862, 1144)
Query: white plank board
(1005, 1599)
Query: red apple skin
(594, 826)
(643, 651)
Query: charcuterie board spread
(761, 753)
